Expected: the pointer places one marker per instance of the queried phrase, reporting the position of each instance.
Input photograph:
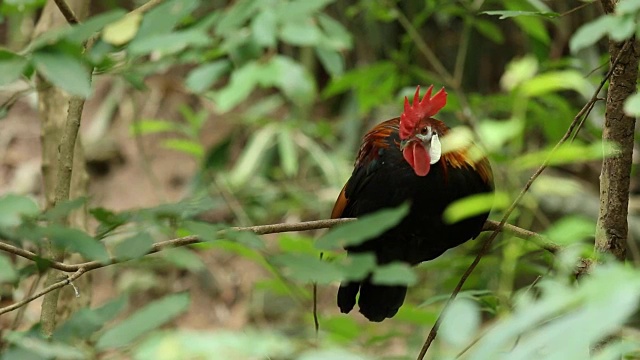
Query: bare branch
(43, 292)
(490, 225)
(146, 6)
(79, 269)
(487, 244)
(67, 12)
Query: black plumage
(382, 179)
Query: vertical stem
(62, 176)
(612, 227)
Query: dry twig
(79, 269)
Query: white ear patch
(435, 151)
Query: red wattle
(418, 157)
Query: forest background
(130, 127)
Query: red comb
(428, 107)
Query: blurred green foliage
(298, 82)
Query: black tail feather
(347, 296)
(377, 302)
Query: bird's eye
(425, 130)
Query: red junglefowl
(402, 160)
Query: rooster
(401, 160)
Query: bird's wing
(375, 141)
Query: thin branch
(490, 225)
(67, 12)
(542, 241)
(20, 314)
(487, 244)
(449, 79)
(576, 8)
(79, 269)
(43, 292)
(425, 49)
(146, 7)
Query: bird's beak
(418, 138)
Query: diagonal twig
(67, 12)
(44, 291)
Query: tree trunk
(612, 227)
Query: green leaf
(81, 32)
(627, 7)
(287, 151)
(205, 231)
(519, 71)
(461, 322)
(122, 31)
(237, 14)
(489, 30)
(535, 27)
(556, 81)
(243, 80)
(632, 105)
(64, 208)
(496, 134)
(589, 33)
(64, 71)
(44, 349)
(11, 66)
(14, 207)
(546, 323)
(372, 84)
(133, 247)
(201, 78)
(213, 345)
(300, 33)
(186, 146)
(290, 243)
(624, 29)
(474, 205)
(358, 266)
(78, 241)
(571, 229)
(331, 60)
(183, 258)
(170, 43)
(263, 28)
(300, 9)
(331, 354)
(108, 219)
(150, 317)
(152, 126)
(246, 238)
(337, 37)
(365, 228)
(292, 79)
(505, 14)
(567, 154)
(85, 322)
(308, 268)
(343, 326)
(396, 273)
(164, 18)
(412, 314)
(8, 273)
(251, 158)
